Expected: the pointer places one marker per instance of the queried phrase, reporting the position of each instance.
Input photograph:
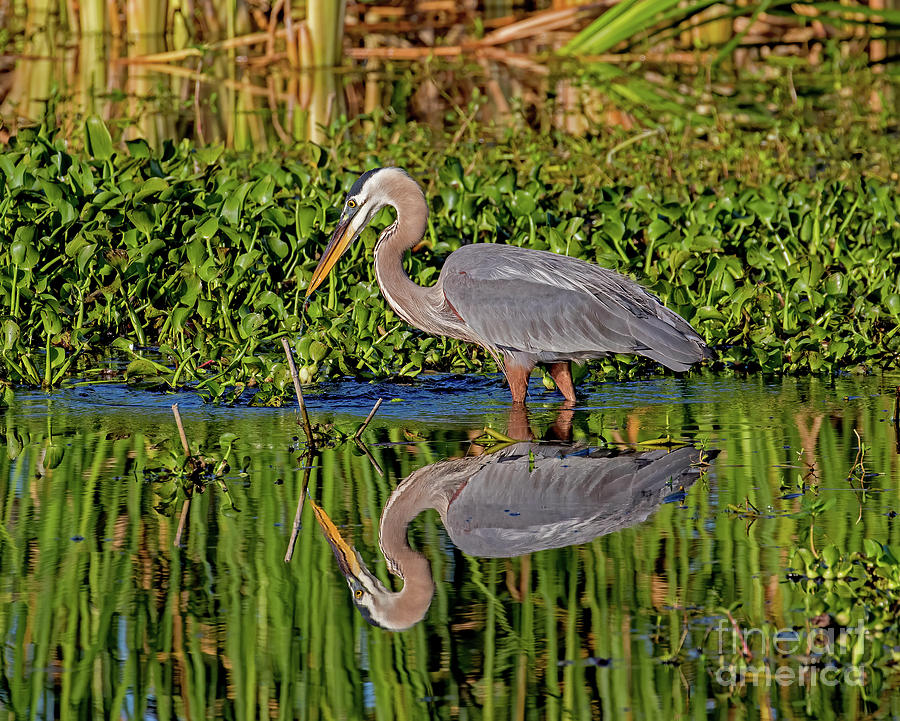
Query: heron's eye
(351, 203)
(358, 594)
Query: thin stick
(184, 514)
(187, 501)
(362, 446)
(228, 44)
(184, 440)
(362, 427)
(295, 529)
(745, 650)
(307, 427)
(629, 141)
(180, 72)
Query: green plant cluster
(205, 256)
(859, 590)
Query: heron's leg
(561, 430)
(562, 375)
(517, 377)
(517, 425)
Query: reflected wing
(532, 301)
(525, 502)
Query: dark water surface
(102, 616)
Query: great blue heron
(523, 498)
(524, 306)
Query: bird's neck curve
(413, 600)
(403, 295)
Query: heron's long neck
(406, 298)
(418, 584)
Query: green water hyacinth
(191, 262)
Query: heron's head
(373, 190)
(377, 604)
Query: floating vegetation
(190, 262)
(856, 591)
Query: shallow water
(102, 615)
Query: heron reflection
(522, 498)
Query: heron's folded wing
(533, 301)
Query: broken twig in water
(295, 529)
(186, 506)
(362, 427)
(362, 446)
(307, 427)
(184, 440)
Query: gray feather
(547, 307)
(526, 498)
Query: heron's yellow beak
(340, 240)
(343, 551)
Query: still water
(630, 558)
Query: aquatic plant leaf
(207, 229)
(99, 141)
(138, 148)
(151, 186)
(11, 334)
(234, 203)
(140, 367)
(141, 220)
(251, 323)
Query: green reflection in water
(101, 616)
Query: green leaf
(317, 351)
(262, 190)
(234, 204)
(141, 221)
(140, 367)
(52, 191)
(210, 154)
(657, 229)
(872, 547)
(22, 251)
(252, 322)
(150, 186)
(892, 304)
(11, 334)
(306, 217)
(138, 148)
(208, 271)
(99, 141)
(522, 203)
(831, 555)
(207, 229)
(278, 247)
(836, 284)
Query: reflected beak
(340, 240)
(343, 551)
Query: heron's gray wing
(529, 502)
(532, 301)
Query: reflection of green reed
(73, 51)
(122, 624)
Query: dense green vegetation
(778, 243)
